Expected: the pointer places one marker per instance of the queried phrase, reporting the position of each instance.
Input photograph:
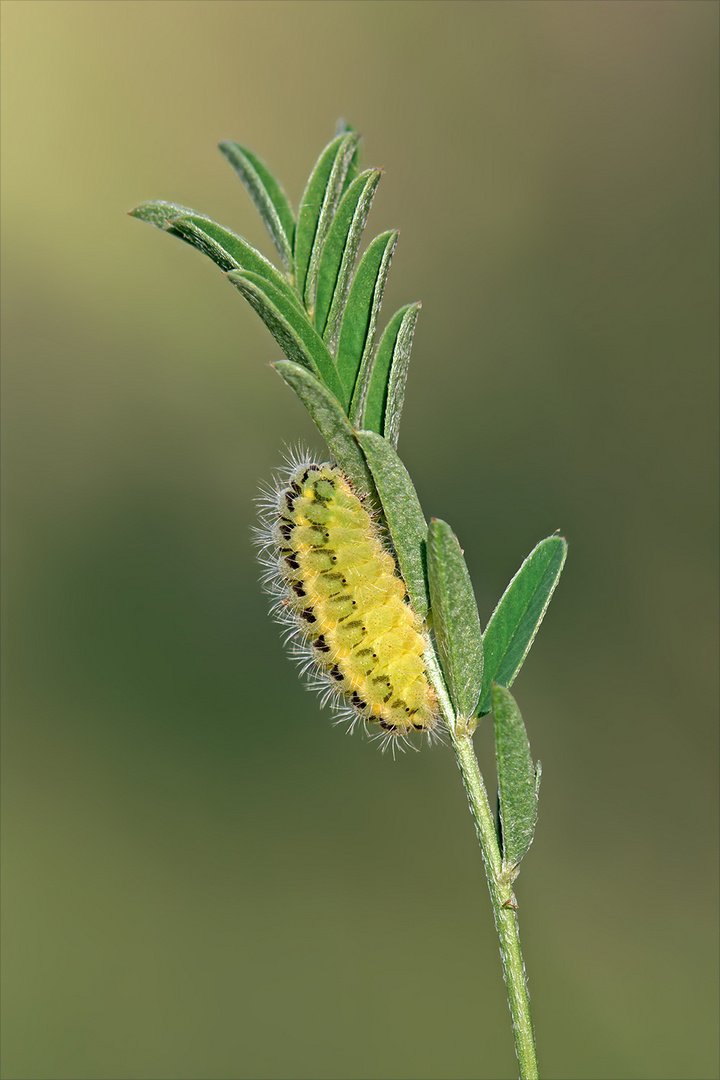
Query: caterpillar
(338, 592)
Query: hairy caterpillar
(338, 591)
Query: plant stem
(499, 880)
(504, 906)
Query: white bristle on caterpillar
(337, 591)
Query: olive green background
(203, 878)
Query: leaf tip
(500, 696)
(141, 210)
(343, 127)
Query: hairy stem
(504, 907)
(499, 882)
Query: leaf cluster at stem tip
(322, 305)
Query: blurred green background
(203, 878)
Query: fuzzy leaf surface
(339, 254)
(518, 779)
(231, 252)
(317, 209)
(402, 511)
(456, 622)
(159, 213)
(359, 320)
(290, 327)
(516, 620)
(225, 248)
(387, 375)
(269, 198)
(343, 128)
(332, 423)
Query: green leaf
(298, 339)
(189, 229)
(317, 208)
(515, 621)
(406, 524)
(339, 254)
(455, 618)
(387, 375)
(225, 248)
(357, 330)
(343, 128)
(518, 779)
(231, 252)
(267, 194)
(159, 213)
(332, 424)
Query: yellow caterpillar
(339, 591)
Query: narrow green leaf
(357, 329)
(159, 213)
(456, 622)
(267, 194)
(518, 780)
(231, 252)
(387, 375)
(332, 424)
(515, 621)
(339, 254)
(309, 211)
(290, 327)
(317, 208)
(378, 375)
(406, 524)
(188, 229)
(225, 248)
(343, 128)
(398, 375)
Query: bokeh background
(204, 878)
